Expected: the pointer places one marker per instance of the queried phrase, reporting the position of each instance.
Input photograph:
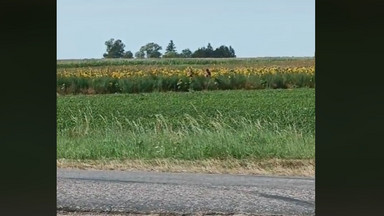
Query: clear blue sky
(254, 28)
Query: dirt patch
(280, 167)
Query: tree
(209, 50)
(221, 52)
(224, 52)
(171, 55)
(171, 47)
(128, 54)
(151, 50)
(232, 52)
(200, 53)
(140, 54)
(115, 49)
(170, 51)
(203, 52)
(186, 53)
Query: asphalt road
(182, 193)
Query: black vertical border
(349, 107)
(28, 107)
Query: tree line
(115, 49)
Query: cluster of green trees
(115, 49)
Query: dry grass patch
(280, 167)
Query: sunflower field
(152, 76)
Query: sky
(254, 28)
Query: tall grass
(188, 126)
(285, 108)
(194, 140)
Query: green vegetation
(187, 126)
(110, 85)
(160, 75)
(184, 62)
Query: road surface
(183, 193)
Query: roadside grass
(280, 167)
(192, 141)
(256, 132)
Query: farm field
(182, 75)
(182, 62)
(249, 131)
(251, 115)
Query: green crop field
(247, 115)
(236, 124)
(262, 61)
